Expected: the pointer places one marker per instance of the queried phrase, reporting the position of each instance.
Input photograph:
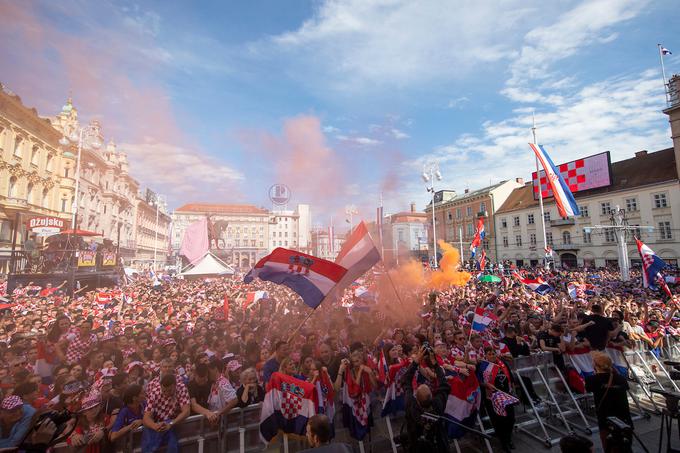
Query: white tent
(209, 265)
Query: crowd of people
(148, 353)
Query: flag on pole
(479, 236)
(358, 255)
(665, 51)
(482, 319)
(253, 297)
(310, 277)
(651, 269)
(537, 284)
(564, 199)
(379, 221)
(462, 403)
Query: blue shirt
(19, 430)
(270, 367)
(125, 417)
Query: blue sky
(216, 101)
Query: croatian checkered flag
(500, 400)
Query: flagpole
(380, 225)
(663, 75)
(540, 192)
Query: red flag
(225, 307)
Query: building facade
(107, 193)
(405, 236)
(36, 178)
(645, 187)
(456, 216)
(324, 246)
(243, 230)
(152, 233)
(291, 229)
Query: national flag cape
(394, 396)
(582, 361)
(358, 255)
(463, 403)
(253, 297)
(482, 319)
(287, 406)
(325, 397)
(356, 407)
(564, 199)
(310, 277)
(537, 284)
(651, 269)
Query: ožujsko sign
(45, 226)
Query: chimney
(673, 112)
(642, 153)
(519, 180)
(413, 206)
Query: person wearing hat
(15, 421)
(90, 430)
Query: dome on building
(68, 107)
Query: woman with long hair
(609, 390)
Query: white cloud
(457, 102)
(331, 129)
(391, 43)
(180, 172)
(398, 134)
(363, 141)
(620, 114)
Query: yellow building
(35, 176)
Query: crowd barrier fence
(560, 412)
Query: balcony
(15, 203)
(563, 222)
(564, 247)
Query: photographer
(423, 435)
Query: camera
(672, 398)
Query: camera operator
(609, 390)
(424, 435)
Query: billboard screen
(581, 174)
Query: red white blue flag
(537, 284)
(462, 404)
(310, 277)
(482, 319)
(564, 199)
(651, 269)
(394, 396)
(480, 234)
(287, 406)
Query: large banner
(108, 258)
(87, 258)
(45, 226)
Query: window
(631, 204)
(29, 193)
(504, 223)
(470, 229)
(482, 207)
(66, 172)
(46, 198)
(605, 208)
(63, 208)
(261, 244)
(12, 187)
(401, 235)
(532, 239)
(566, 238)
(546, 216)
(549, 238)
(609, 236)
(636, 232)
(17, 146)
(530, 219)
(665, 230)
(48, 167)
(660, 200)
(252, 243)
(584, 211)
(515, 221)
(518, 240)
(505, 241)
(468, 211)
(238, 242)
(104, 208)
(286, 243)
(34, 155)
(459, 213)
(449, 215)
(587, 239)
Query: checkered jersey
(166, 407)
(221, 393)
(78, 347)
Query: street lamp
(90, 136)
(158, 201)
(351, 211)
(430, 174)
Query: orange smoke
(448, 273)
